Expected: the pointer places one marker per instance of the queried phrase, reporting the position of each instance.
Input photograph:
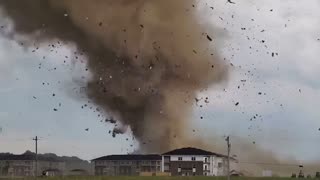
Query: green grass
(152, 178)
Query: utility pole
(229, 148)
(36, 165)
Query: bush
(309, 176)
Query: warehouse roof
(130, 157)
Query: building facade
(25, 165)
(127, 165)
(195, 162)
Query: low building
(25, 165)
(127, 165)
(195, 162)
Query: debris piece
(111, 120)
(87, 129)
(229, 1)
(237, 103)
(55, 109)
(209, 38)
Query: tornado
(147, 58)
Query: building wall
(27, 167)
(211, 165)
(16, 168)
(126, 168)
(50, 165)
(186, 168)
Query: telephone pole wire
(36, 158)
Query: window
(205, 168)
(179, 169)
(205, 160)
(193, 158)
(220, 165)
(180, 158)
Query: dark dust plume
(148, 59)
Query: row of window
(15, 162)
(192, 158)
(128, 162)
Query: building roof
(192, 151)
(16, 157)
(130, 157)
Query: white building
(195, 162)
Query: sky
(272, 47)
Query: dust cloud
(148, 58)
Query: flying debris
(111, 120)
(231, 2)
(87, 129)
(115, 68)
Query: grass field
(152, 178)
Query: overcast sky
(273, 45)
